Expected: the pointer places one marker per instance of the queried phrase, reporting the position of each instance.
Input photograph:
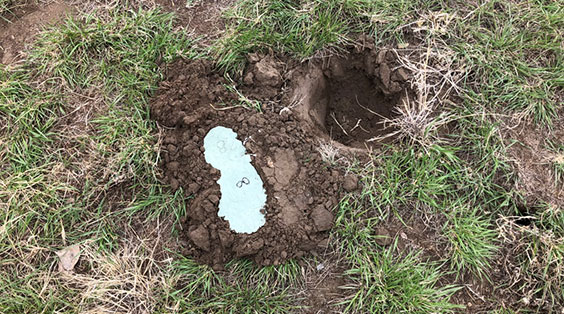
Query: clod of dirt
(351, 183)
(301, 189)
(200, 237)
(347, 98)
(322, 218)
(264, 76)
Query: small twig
(368, 109)
(221, 109)
(475, 293)
(365, 130)
(356, 126)
(334, 118)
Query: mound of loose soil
(301, 189)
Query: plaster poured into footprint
(242, 192)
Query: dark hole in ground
(527, 213)
(524, 221)
(349, 98)
(356, 106)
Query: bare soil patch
(202, 17)
(18, 32)
(301, 189)
(311, 103)
(533, 161)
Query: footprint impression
(242, 192)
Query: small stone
(383, 237)
(350, 183)
(322, 218)
(385, 74)
(201, 238)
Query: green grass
(244, 288)
(513, 53)
(28, 115)
(302, 28)
(387, 282)
(472, 240)
(113, 56)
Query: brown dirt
(533, 162)
(203, 17)
(28, 21)
(324, 288)
(301, 189)
(284, 142)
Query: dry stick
(221, 109)
(357, 125)
(334, 118)
(371, 111)
(365, 130)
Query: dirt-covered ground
(405, 171)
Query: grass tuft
(387, 282)
(472, 241)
